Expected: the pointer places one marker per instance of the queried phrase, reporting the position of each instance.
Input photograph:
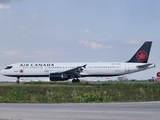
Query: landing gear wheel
(78, 80)
(18, 80)
(75, 80)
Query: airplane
(62, 71)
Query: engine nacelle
(58, 77)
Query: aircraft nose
(3, 72)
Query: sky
(78, 31)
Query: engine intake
(58, 77)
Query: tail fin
(142, 54)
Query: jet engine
(58, 77)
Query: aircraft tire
(73, 81)
(77, 80)
(17, 82)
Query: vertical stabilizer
(142, 54)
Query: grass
(66, 92)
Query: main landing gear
(75, 80)
(18, 80)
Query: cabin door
(46, 69)
(16, 68)
(127, 70)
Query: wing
(75, 71)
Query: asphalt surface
(81, 111)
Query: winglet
(84, 65)
(142, 54)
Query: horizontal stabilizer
(145, 65)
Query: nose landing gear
(18, 80)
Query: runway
(81, 111)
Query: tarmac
(81, 111)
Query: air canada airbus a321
(75, 70)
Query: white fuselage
(96, 69)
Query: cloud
(21, 27)
(34, 16)
(90, 44)
(132, 42)
(4, 4)
(87, 31)
(12, 53)
(93, 45)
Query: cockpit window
(8, 67)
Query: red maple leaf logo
(21, 71)
(142, 56)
